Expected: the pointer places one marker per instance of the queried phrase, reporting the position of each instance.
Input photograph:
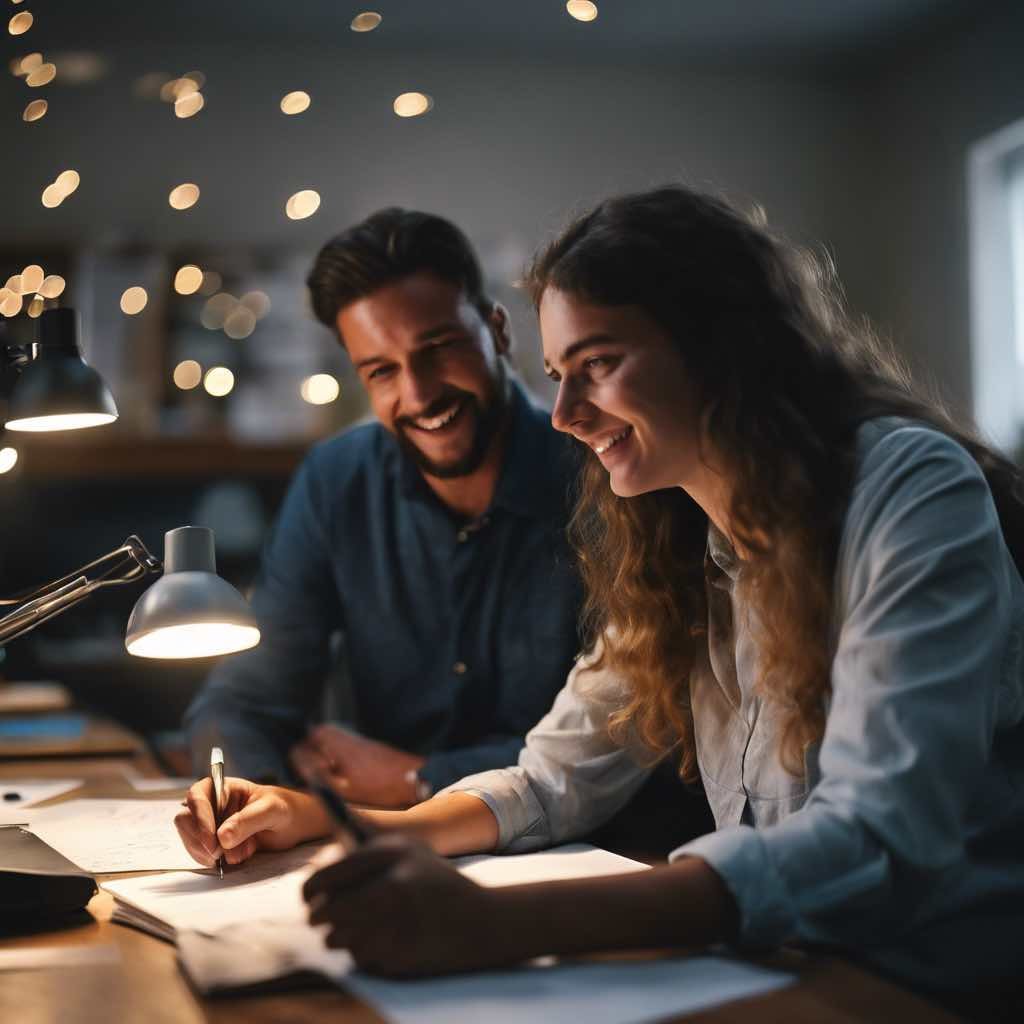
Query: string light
(8, 459)
(67, 182)
(188, 279)
(187, 374)
(133, 300)
(35, 110)
(239, 323)
(52, 196)
(31, 279)
(183, 197)
(582, 10)
(412, 104)
(20, 23)
(219, 381)
(52, 287)
(365, 22)
(303, 204)
(320, 389)
(295, 102)
(189, 104)
(42, 75)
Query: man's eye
(378, 372)
(598, 363)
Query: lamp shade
(190, 612)
(57, 390)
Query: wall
(905, 227)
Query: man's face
(432, 366)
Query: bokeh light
(412, 104)
(365, 22)
(320, 389)
(303, 204)
(219, 381)
(188, 279)
(183, 197)
(133, 300)
(295, 102)
(187, 374)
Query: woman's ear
(501, 329)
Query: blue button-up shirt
(458, 636)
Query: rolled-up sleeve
(924, 614)
(571, 776)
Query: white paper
(48, 957)
(115, 835)
(16, 793)
(575, 860)
(155, 785)
(268, 886)
(627, 992)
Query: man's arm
(256, 705)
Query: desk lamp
(56, 389)
(190, 612)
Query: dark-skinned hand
(403, 912)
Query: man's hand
(362, 770)
(402, 911)
(255, 818)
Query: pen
(217, 774)
(339, 810)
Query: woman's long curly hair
(785, 378)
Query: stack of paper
(106, 836)
(266, 887)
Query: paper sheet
(629, 992)
(115, 835)
(18, 794)
(575, 860)
(266, 887)
(156, 785)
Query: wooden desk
(146, 985)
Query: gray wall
(905, 237)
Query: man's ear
(501, 328)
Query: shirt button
(460, 668)
(462, 536)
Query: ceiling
(638, 30)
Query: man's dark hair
(389, 245)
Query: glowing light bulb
(412, 104)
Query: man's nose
(420, 388)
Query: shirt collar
(722, 553)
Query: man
(433, 540)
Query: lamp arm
(129, 562)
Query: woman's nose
(567, 410)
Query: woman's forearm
(452, 824)
(680, 904)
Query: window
(996, 210)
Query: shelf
(74, 458)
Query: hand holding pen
(217, 775)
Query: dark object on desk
(35, 880)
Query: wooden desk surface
(145, 984)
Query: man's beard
(488, 417)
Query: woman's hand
(402, 911)
(255, 818)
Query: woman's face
(623, 390)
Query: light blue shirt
(904, 841)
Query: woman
(801, 579)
